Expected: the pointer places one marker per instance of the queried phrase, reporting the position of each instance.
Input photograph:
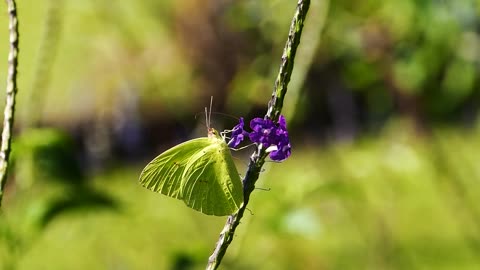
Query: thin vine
(258, 157)
(11, 92)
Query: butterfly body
(201, 172)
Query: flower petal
(238, 134)
(283, 152)
(282, 122)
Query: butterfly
(200, 172)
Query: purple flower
(283, 152)
(238, 134)
(272, 136)
(282, 122)
(263, 131)
(282, 142)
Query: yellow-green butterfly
(200, 172)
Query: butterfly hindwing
(212, 185)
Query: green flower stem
(10, 97)
(274, 109)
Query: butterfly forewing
(164, 173)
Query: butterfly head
(213, 133)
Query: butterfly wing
(164, 174)
(211, 181)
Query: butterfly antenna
(210, 112)
(207, 122)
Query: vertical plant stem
(49, 42)
(258, 157)
(10, 97)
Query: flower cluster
(272, 136)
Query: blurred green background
(382, 112)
